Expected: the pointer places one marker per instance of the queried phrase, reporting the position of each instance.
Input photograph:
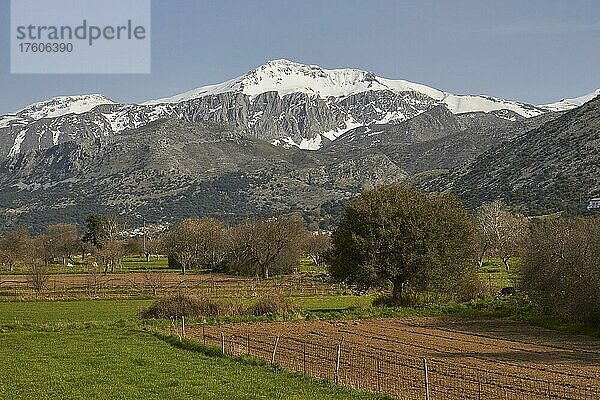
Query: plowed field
(467, 359)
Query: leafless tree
(112, 252)
(267, 246)
(37, 276)
(316, 246)
(65, 240)
(501, 232)
(197, 242)
(154, 281)
(15, 246)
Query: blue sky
(532, 51)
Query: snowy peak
(286, 77)
(568, 104)
(63, 105)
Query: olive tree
(401, 236)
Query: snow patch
(568, 104)
(311, 144)
(63, 105)
(16, 147)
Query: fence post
(274, 350)
(222, 343)
(337, 362)
(203, 336)
(378, 374)
(182, 327)
(248, 343)
(304, 356)
(426, 371)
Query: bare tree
(37, 276)
(152, 241)
(268, 245)
(316, 246)
(112, 252)
(65, 240)
(501, 232)
(154, 281)
(15, 246)
(197, 242)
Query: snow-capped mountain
(568, 104)
(63, 105)
(284, 102)
(287, 77)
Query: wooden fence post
(274, 350)
(182, 327)
(378, 374)
(203, 336)
(304, 356)
(337, 361)
(426, 371)
(222, 343)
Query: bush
(273, 304)
(473, 288)
(560, 272)
(187, 306)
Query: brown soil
(467, 359)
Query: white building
(594, 204)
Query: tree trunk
(397, 289)
(147, 257)
(266, 272)
(480, 261)
(505, 262)
(183, 268)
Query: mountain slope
(171, 169)
(436, 139)
(555, 167)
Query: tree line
(390, 237)
(256, 247)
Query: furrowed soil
(467, 359)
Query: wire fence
(160, 284)
(399, 375)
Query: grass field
(43, 312)
(128, 264)
(106, 353)
(129, 364)
(495, 274)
